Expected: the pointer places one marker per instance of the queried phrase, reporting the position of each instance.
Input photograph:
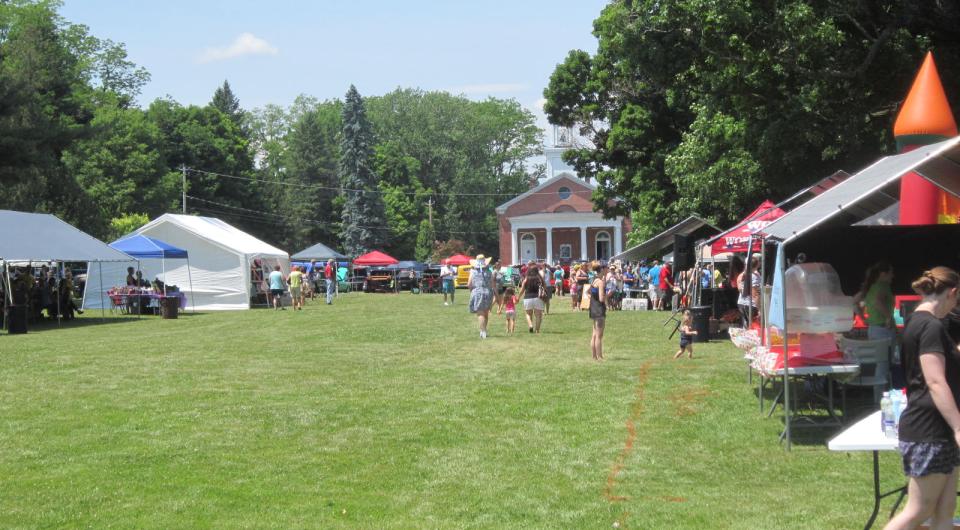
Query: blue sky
(272, 51)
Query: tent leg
(139, 298)
(59, 309)
(103, 315)
(7, 295)
(193, 304)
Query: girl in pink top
(510, 308)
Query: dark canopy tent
(910, 249)
(823, 228)
(318, 252)
(658, 245)
(407, 265)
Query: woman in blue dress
(481, 292)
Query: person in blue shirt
(277, 287)
(705, 277)
(653, 280)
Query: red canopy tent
(374, 259)
(737, 239)
(457, 259)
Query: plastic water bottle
(896, 403)
(886, 415)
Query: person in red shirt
(665, 286)
(330, 275)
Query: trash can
(16, 319)
(701, 322)
(169, 305)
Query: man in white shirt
(447, 272)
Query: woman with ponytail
(930, 425)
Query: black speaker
(682, 252)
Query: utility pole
(430, 209)
(183, 168)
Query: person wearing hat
(481, 292)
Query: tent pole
(762, 307)
(59, 309)
(139, 298)
(193, 304)
(103, 315)
(748, 282)
(7, 295)
(786, 360)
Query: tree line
(709, 107)
(400, 172)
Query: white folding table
(829, 371)
(867, 435)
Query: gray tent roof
(872, 190)
(318, 252)
(664, 240)
(43, 237)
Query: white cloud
(245, 44)
(489, 88)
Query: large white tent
(227, 265)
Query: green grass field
(388, 411)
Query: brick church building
(555, 221)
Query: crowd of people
(47, 293)
(302, 282)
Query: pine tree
(426, 238)
(226, 102)
(364, 218)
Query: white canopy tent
(227, 265)
(38, 237)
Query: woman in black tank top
(532, 304)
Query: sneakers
(446, 303)
(483, 334)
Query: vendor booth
(371, 274)
(837, 253)
(42, 238)
(153, 255)
(228, 267)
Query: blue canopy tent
(143, 247)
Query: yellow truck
(463, 276)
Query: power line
(379, 192)
(257, 215)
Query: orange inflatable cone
(925, 118)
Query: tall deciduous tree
(470, 156)
(219, 155)
(708, 107)
(363, 211)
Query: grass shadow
(52, 325)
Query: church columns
(617, 238)
(550, 245)
(583, 243)
(514, 245)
